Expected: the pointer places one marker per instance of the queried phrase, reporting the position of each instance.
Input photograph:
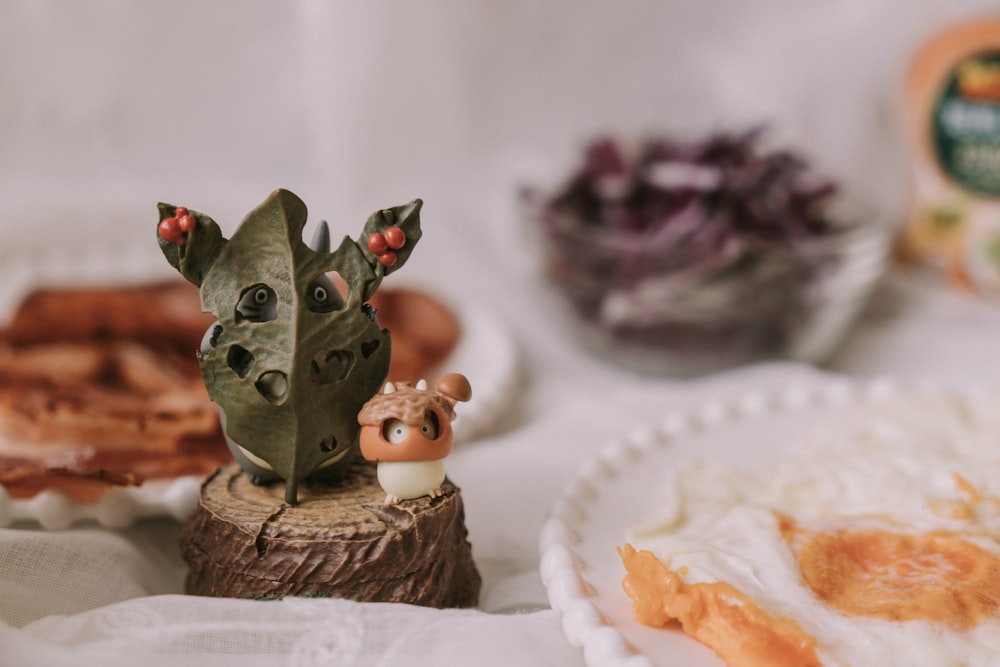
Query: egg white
(887, 466)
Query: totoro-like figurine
(291, 360)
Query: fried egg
(874, 541)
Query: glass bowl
(691, 296)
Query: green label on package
(966, 125)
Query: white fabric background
(108, 107)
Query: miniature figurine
(290, 361)
(407, 430)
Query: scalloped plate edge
(117, 508)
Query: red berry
(388, 258)
(377, 244)
(180, 212)
(170, 231)
(395, 238)
(168, 227)
(187, 223)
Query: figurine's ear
(389, 237)
(321, 238)
(201, 245)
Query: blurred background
(114, 105)
(110, 106)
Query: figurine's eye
(211, 338)
(258, 303)
(430, 427)
(322, 296)
(395, 431)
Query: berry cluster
(382, 244)
(176, 229)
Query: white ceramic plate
(117, 507)
(486, 354)
(579, 564)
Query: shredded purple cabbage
(698, 247)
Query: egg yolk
(935, 576)
(716, 614)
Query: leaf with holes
(289, 373)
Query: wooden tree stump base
(341, 540)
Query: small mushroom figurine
(407, 430)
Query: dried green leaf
(292, 382)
